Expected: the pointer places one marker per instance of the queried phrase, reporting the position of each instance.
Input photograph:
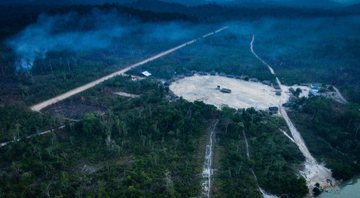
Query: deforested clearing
(244, 94)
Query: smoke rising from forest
(70, 32)
(97, 30)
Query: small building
(212, 73)
(230, 76)
(313, 93)
(273, 110)
(202, 73)
(135, 78)
(146, 73)
(267, 82)
(278, 93)
(244, 77)
(253, 80)
(225, 90)
(277, 86)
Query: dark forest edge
(149, 146)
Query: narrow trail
(258, 57)
(313, 171)
(290, 138)
(128, 95)
(262, 191)
(32, 136)
(207, 168)
(246, 144)
(340, 96)
(44, 104)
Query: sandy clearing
(251, 94)
(244, 94)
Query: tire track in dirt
(313, 171)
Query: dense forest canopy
(152, 144)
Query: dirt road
(42, 105)
(128, 95)
(313, 171)
(207, 169)
(262, 191)
(260, 59)
(31, 136)
(340, 96)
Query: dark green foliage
(331, 132)
(142, 147)
(146, 146)
(316, 191)
(273, 157)
(227, 53)
(17, 121)
(64, 70)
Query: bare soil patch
(244, 94)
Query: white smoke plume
(70, 32)
(94, 31)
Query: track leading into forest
(262, 191)
(342, 100)
(313, 171)
(42, 105)
(207, 168)
(32, 136)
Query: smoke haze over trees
(96, 30)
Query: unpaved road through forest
(313, 171)
(207, 168)
(32, 136)
(340, 96)
(262, 191)
(42, 105)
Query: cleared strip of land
(31, 136)
(341, 98)
(313, 171)
(42, 105)
(127, 94)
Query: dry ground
(244, 94)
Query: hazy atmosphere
(168, 98)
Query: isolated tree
(89, 123)
(240, 126)
(297, 92)
(24, 90)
